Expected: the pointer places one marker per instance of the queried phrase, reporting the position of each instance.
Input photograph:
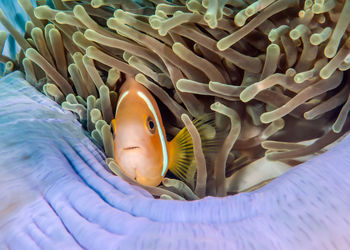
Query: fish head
(140, 146)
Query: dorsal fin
(182, 163)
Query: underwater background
(275, 74)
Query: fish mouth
(131, 148)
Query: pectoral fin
(182, 162)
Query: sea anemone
(274, 72)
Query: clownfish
(141, 148)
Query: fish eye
(151, 125)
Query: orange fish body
(140, 145)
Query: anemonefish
(140, 146)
